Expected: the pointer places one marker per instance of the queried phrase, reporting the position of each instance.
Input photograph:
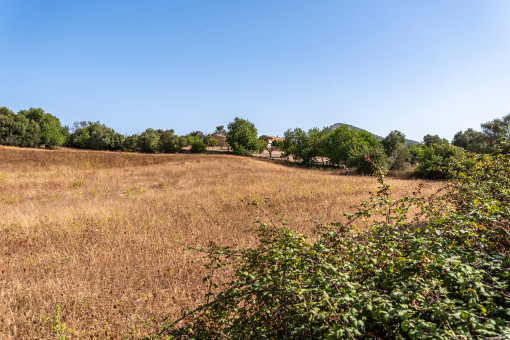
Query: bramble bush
(426, 268)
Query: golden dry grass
(102, 235)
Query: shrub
(444, 273)
(198, 146)
(438, 161)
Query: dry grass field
(93, 244)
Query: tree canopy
(242, 137)
(30, 128)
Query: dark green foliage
(472, 141)
(437, 161)
(148, 141)
(498, 133)
(170, 143)
(264, 139)
(277, 144)
(95, 136)
(242, 137)
(190, 139)
(429, 140)
(337, 144)
(51, 130)
(31, 128)
(220, 130)
(495, 137)
(392, 141)
(401, 158)
(497, 129)
(130, 143)
(18, 130)
(366, 153)
(416, 151)
(5, 112)
(399, 154)
(198, 146)
(304, 146)
(443, 274)
(342, 146)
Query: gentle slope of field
(103, 235)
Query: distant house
(220, 139)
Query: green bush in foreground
(444, 273)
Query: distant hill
(334, 126)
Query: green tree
(338, 143)
(95, 136)
(366, 153)
(51, 130)
(428, 140)
(392, 141)
(190, 138)
(170, 143)
(353, 148)
(130, 143)
(437, 161)
(395, 146)
(472, 141)
(498, 132)
(148, 141)
(242, 137)
(401, 158)
(18, 130)
(304, 146)
(220, 130)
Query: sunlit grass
(103, 235)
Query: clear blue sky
(416, 66)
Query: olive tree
(242, 137)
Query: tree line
(360, 149)
(36, 128)
(342, 146)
